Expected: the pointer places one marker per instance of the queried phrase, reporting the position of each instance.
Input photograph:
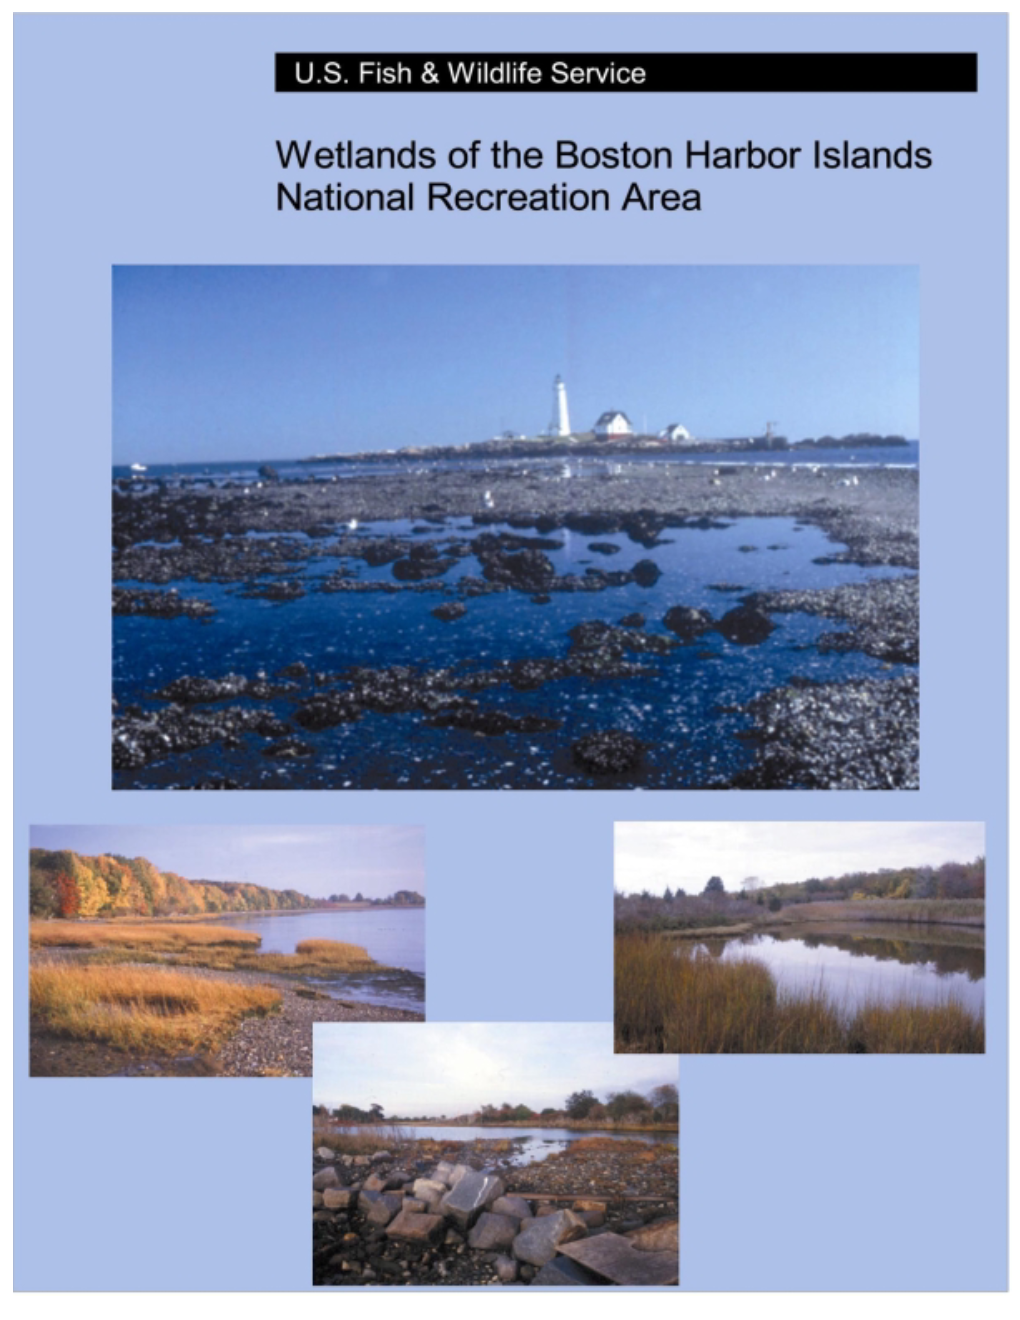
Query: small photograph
(863, 937)
(536, 527)
(210, 950)
(423, 1172)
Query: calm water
(393, 936)
(870, 961)
(682, 708)
(535, 1143)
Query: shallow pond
(855, 964)
(392, 936)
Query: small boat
(139, 467)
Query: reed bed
(674, 1001)
(142, 1009)
(359, 1139)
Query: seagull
(352, 526)
(488, 501)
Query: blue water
(682, 708)
(392, 936)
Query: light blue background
(151, 140)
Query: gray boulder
(493, 1232)
(471, 1194)
(324, 1153)
(506, 1269)
(563, 1272)
(512, 1205)
(339, 1198)
(539, 1239)
(379, 1207)
(429, 1189)
(325, 1178)
(411, 1227)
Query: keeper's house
(676, 433)
(612, 424)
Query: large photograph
(515, 527)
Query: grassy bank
(695, 1004)
(918, 911)
(218, 948)
(142, 1010)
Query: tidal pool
(685, 706)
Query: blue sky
(433, 1068)
(317, 860)
(259, 362)
(659, 853)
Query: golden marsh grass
(220, 948)
(673, 1001)
(153, 937)
(141, 1009)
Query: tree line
(660, 1105)
(68, 884)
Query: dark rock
(493, 723)
(746, 625)
(296, 670)
(277, 591)
(160, 604)
(288, 749)
(326, 710)
(609, 752)
(523, 570)
(189, 691)
(687, 622)
(604, 548)
(646, 572)
(417, 567)
(449, 610)
(633, 621)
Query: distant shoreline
(588, 447)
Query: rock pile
(380, 1222)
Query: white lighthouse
(560, 424)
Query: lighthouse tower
(560, 424)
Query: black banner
(917, 71)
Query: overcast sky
(433, 1068)
(660, 853)
(317, 860)
(261, 362)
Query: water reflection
(867, 962)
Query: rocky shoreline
(600, 1213)
(199, 532)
